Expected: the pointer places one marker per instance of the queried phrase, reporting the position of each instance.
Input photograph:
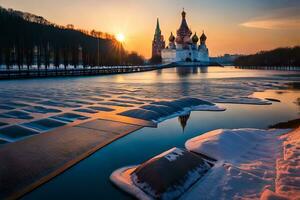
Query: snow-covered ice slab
(233, 145)
(165, 176)
(122, 178)
(159, 111)
(208, 108)
(243, 100)
(247, 163)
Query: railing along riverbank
(15, 73)
(281, 68)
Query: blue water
(89, 179)
(39, 99)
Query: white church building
(185, 47)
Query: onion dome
(184, 29)
(195, 38)
(203, 37)
(171, 38)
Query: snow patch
(251, 164)
(232, 145)
(270, 195)
(208, 108)
(288, 166)
(122, 178)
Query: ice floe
(116, 104)
(208, 108)
(85, 110)
(161, 110)
(40, 109)
(69, 117)
(101, 108)
(166, 176)
(16, 114)
(59, 104)
(6, 107)
(44, 124)
(142, 114)
(127, 101)
(15, 132)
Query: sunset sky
(232, 26)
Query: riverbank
(24, 72)
(71, 71)
(281, 68)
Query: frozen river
(38, 105)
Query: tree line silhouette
(25, 42)
(277, 57)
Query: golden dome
(195, 38)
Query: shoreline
(279, 68)
(24, 73)
(53, 72)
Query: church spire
(158, 42)
(157, 30)
(183, 13)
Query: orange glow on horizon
(227, 31)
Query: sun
(120, 37)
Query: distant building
(158, 42)
(182, 48)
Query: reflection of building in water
(159, 71)
(183, 120)
(184, 71)
(195, 70)
(203, 70)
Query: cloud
(280, 19)
(274, 24)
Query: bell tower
(158, 42)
